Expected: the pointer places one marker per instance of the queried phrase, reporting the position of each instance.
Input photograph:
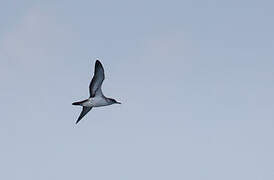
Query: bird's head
(113, 101)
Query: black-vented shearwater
(97, 97)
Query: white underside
(96, 102)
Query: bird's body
(96, 101)
(97, 98)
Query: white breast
(99, 101)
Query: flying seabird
(97, 97)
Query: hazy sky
(196, 79)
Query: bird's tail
(77, 103)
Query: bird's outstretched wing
(97, 80)
(85, 110)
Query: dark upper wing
(85, 110)
(97, 80)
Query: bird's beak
(118, 103)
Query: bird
(96, 98)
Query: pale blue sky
(196, 79)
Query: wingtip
(98, 64)
(98, 61)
